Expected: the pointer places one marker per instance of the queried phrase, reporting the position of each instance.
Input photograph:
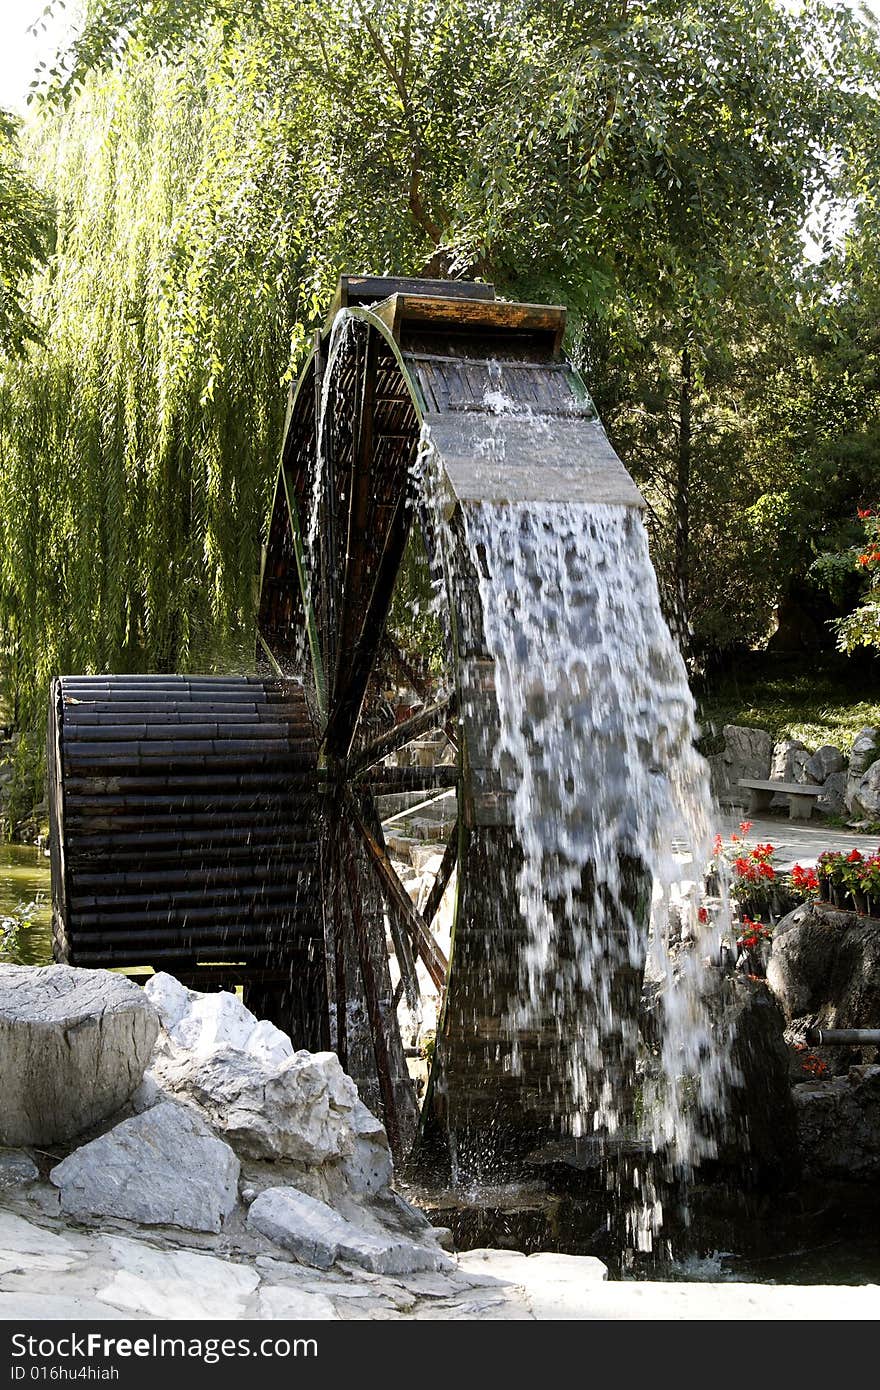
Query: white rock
(169, 997)
(832, 802)
(319, 1236)
(299, 1109)
(867, 797)
(73, 1047)
(269, 1101)
(824, 762)
(41, 1307)
(202, 1023)
(369, 1168)
(791, 760)
(295, 1304)
(163, 1167)
(864, 750)
(176, 1283)
(24, 1245)
(16, 1168)
(746, 753)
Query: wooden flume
(219, 825)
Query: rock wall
(850, 786)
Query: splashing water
(610, 801)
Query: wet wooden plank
(499, 458)
(471, 315)
(368, 289)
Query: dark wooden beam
(399, 900)
(339, 986)
(346, 711)
(409, 980)
(444, 873)
(326, 504)
(360, 491)
(434, 717)
(374, 1013)
(384, 780)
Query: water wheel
(393, 430)
(428, 399)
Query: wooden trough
(180, 804)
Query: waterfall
(612, 808)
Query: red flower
(864, 513)
(814, 1065)
(854, 856)
(702, 916)
(745, 826)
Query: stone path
(799, 843)
(49, 1269)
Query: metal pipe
(844, 1037)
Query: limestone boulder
(866, 747)
(319, 1236)
(826, 761)
(827, 968)
(832, 802)
(839, 1125)
(164, 1167)
(269, 1101)
(74, 1045)
(746, 753)
(789, 764)
(866, 798)
(864, 755)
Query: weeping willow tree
(216, 166)
(137, 444)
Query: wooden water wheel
(400, 361)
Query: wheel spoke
(374, 1010)
(347, 707)
(409, 980)
(360, 492)
(444, 873)
(328, 865)
(409, 779)
(426, 947)
(435, 717)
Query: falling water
(612, 809)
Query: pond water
(25, 878)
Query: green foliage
(216, 166)
(25, 231)
(14, 925)
(861, 628)
(815, 702)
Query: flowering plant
(869, 878)
(753, 941)
(753, 934)
(861, 628)
(849, 880)
(803, 882)
(814, 1066)
(850, 868)
(752, 870)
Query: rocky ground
(166, 1155)
(50, 1268)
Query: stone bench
(801, 796)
